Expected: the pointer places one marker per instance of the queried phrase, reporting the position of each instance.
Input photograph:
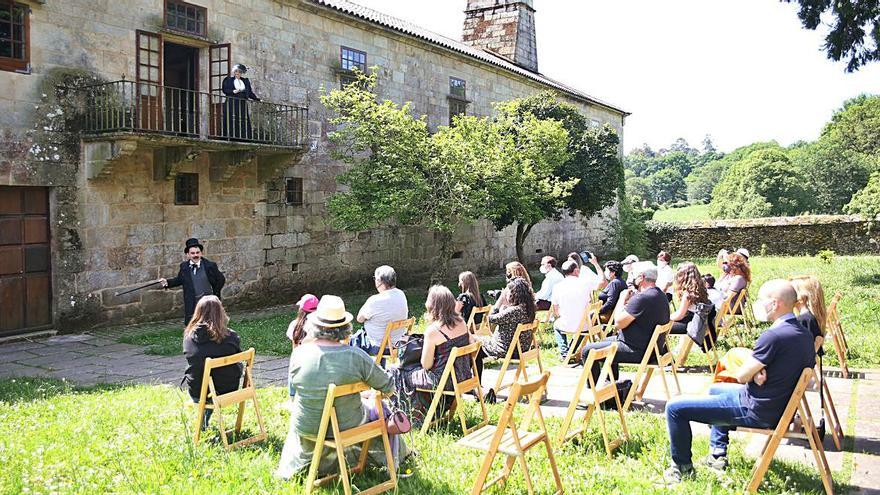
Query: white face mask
(544, 269)
(661, 263)
(759, 308)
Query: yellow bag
(729, 364)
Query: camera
(494, 294)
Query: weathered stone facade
(787, 236)
(122, 227)
(506, 28)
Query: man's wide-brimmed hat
(193, 243)
(331, 313)
(239, 67)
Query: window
(457, 98)
(293, 191)
(186, 189)
(185, 17)
(349, 60)
(14, 36)
(457, 87)
(595, 123)
(456, 107)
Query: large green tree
(760, 185)
(831, 173)
(856, 126)
(854, 33)
(867, 201)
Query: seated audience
(737, 277)
(469, 297)
(515, 305)
(516, 269)
(637, 314)
(551, 278)
(665, 275)
(627, 267)
(207, 336)
(324, 359)
(810, 308)
(446, 330)
(714, 294)
(296, 329)
(380, 310)
(571, 297)
(614, 286)
(766, 382)
(690, 290)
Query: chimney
(505, 27)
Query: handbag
(409, 353)
(398, 422)
(699, 323)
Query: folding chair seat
(341, 439)
(516, 356)
(210, 399)
(835, 330)
(468, 352)
(593, 397)
(797, 403)
(589, 330)
(387, 344)
(646, 368)
(481, 328)
(512, 440)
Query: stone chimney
(505, 27)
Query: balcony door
(149, 82)
(180, 69)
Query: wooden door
(218, 68)
(149, 81)
(25, 268)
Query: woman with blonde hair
(810, 307)
(446, 330)
(469, 296)
(737, 276)
(207, 336)
(516, 269)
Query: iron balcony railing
(129, 106)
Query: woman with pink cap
(295, 332)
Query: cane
(138, 288)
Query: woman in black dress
(236, 119)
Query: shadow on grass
(870, 280)
(787, 476)
(30, 389)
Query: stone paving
(90, 359)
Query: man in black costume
(198, 276)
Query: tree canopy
(854, 33)
(760, 185)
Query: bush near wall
(843, 234)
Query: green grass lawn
(683, 214)
(55, 438)
(856, 277)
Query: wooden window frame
(456, 103)
(204, 11)
(452, 86)
(291, 193)
(194, 190)
(342, 59)
(12, 64)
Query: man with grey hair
(380, 310)
(766, 379)
(637, 314)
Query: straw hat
(330, 313)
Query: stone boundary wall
(774, 236)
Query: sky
(740, 71)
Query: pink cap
(308, 303)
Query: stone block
(109, 297)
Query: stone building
(117, 145)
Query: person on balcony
(236, 119)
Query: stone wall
(773, 236)
(113, 232)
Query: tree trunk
(522, 231)
(441, 268)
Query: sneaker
(715, 463)
(676, 474)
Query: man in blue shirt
(766, 381)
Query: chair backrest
(660, 332)
(725, 310)
(398, 324)
(468, 352)
(483, 326)
(534, 390)
(737, 306)
(595, 324)
(211, 364)
(333, 392)
(606, 353)
(386, 340)
(521, 328)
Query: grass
(856, 277)
(682, 214)
(61, 439)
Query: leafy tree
(856, 126)
(831, 174)
(666, 186)
(855, 32)
(761, 185)
(702, 180)
(867, 201)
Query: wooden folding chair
(835, 330)
(727, 317)
(217, 401)
(747, 312)
(481, 328)
(589, 330)
(362, 434)
(511, 440)
(468, 352)
(593, 398)
(523, 357)
(798, 402)
(707, 346)
(386, 340)
(646, 368)
(830, 411)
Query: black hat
(193, 243)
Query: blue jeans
(721, 409)
(562, 342)
(208, 413)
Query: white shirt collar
(194, 263)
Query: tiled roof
(411, 29)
